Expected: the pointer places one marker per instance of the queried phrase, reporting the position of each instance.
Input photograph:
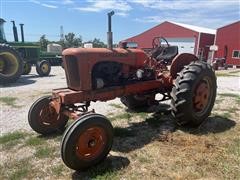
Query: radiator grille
(72, 72)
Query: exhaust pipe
(15, 32)
(22, 33)
(109, 33)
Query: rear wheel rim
(26, 67)
(9, 64)
(202, 94)
(91, 143)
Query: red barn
(188, 38)
(228, 42)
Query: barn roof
(233, 23)
(195, 28)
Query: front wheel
(87, 142)
(43, 119)
(27, 67)
(194, 93)
(43, 68)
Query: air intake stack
(22, 32)
(109, 33)
(15, 32)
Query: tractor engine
(88, 69)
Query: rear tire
(193, 94)
(43, 68)
(87, 142)
(11, 64)
(44, 121)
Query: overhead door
(185, 45)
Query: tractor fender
(180, 61)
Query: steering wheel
(157, 42)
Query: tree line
(70, 40)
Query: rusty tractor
(101, 74)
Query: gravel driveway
(31, 87)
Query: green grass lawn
(230, 72)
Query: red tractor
(101, 74)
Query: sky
(88, 18)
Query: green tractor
(17, 58)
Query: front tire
(87, 142)
(43, 68)
(45, 120)
(194, 93)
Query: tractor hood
(79, 62)
(135, 57)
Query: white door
(185, 45)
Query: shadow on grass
(214, 124)
(159, 127)
(106, 169)
(19, 82)
(137, 135)
(161, 107)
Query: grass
(58, 169)
(44, 152)
(211, 151)
(230, 95)
(9, 137)
(118, 106)
(121, 116)
(227, 73)
(128, 116)
(34, 141)
(19, 173)
(9, 101)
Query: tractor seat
(168, 53)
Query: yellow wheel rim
(8, 64)
(45, 68)
(26, 67)
(2, 64)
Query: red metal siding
(166, 29)
(206, 40)
(228, 36)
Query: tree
(72, 41)
(43, 42)
(97, 43)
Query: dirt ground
(30, 87)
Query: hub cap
(91, 143)
(48, 117)
(45, 68)
(202, 94)
(8, 64)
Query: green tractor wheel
(43, 68)
(27, 68)
(11, 64)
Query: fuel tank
(79, 62)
